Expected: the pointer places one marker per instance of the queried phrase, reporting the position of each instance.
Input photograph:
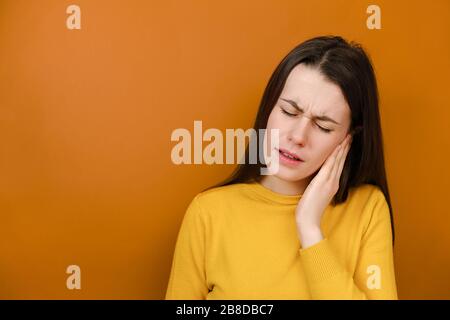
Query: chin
(290, 176)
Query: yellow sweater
(240, 242)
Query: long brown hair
(348, 66)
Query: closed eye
(324, 129)
(287, 113)
(293, 115)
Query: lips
(290, 154)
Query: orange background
(86, 116)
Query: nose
(299, 131)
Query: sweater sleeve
(374, 276)
(187, 279)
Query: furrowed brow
(321, 118)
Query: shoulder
(218, 197)
(367, 194)
(371, 202)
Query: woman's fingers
(336, 162)
(341, 160)
(332, 167)
(329, 163)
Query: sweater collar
(272, 196)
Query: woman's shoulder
(367, 192)
(368, 200)
(212, 201)
(217, 195)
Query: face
(313, 117)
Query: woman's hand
(318, 195)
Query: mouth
(289, 156)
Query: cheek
(275, 120)
(323, 148)
(269, 126)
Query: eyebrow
(322, 118)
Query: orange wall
(86, 116)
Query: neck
(285, 187)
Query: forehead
(313, 92)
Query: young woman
(321, 227)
